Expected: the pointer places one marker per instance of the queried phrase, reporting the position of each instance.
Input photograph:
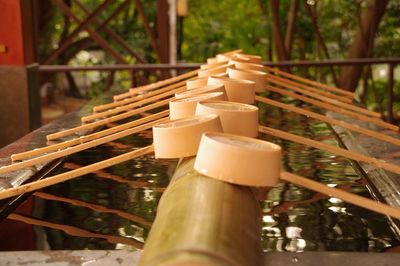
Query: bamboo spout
(203, 221)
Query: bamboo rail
(52, 180)
(329, 148)
(86, 138)
(327, 106)
(331, 121)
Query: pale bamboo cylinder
(237, 90)
(236, 118)
(181, 108)
(195, 83)
(258, 77)
(197, 223)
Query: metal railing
(390, 62)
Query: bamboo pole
(311, 82)
(156, 85)
(325, 99)
(331, 121)
(86, 138)
(131, 106)
(343, 195)
(106, 106)
(333, 108)
(329, 148)
(204, 221)
(77, 148)
(312, 90)
(52, 180)
(106, 121)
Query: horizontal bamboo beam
(311, 82)
(325, 99)
(331, 121)
(106, 106)
(329, 148)
(77, 148)
(90, 137)
(343, 195)
(204, 221)
(52, 180)
(106, 121)
(330, 107)
(131, 106)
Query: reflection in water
(297, 219)
(74, 231)
(121, 201)
(95, 207)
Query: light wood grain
(106, 121)
(278, 81)
(331, 121)
(343, 195)
(329, 148)
(349, 94)
(86, 138)
(49, 181)
(327, 106)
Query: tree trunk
(276, 31)
(294, 7)
(371, 18)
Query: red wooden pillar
(19, 97)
